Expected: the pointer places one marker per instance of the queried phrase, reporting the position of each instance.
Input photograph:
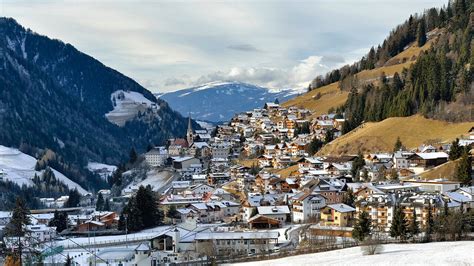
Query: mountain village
(97, 168)
(252, 188)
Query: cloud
(243, 48)
(296, 77)
(174, 82)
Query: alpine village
(372, 158)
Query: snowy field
(127, 107)
(104, 170)
(441, 253)
(155, 178)
(20, 169)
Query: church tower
(189, 133)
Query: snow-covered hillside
(127, 104)
(441, 253)
(103, 170)
(155, 178)
(20, 169)
(219, 101)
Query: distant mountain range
(219, 101)
(53, 96)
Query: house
(306, 207)
(339, 214)
(200, 149)
(279, 213)
(201, 189)
(400, 159)
(90, 226)
(427, 159)
(42, 232)
(220, 150)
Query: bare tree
(373, 244)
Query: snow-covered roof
(237, 235)
(269, 210)
(432, 155)
(341, 207)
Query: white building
(156, 156)
(279, 213)
(306, 207)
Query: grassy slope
(446, 170)
(381, 136)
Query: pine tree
(20, 218)
(349, 198)
(142, 211)
(398, 228)
(329, 136)
(16, 228)
(357, 165)
(68, 261)
(133, 156)
(398, 145)
(414, 227)
(74, 199)
(429, 228)
(100, 202)
(172, 212)
(363, 227)
(456, 151)
(464, 168)
(60, 221)
(421, 33)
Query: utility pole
(126, 228)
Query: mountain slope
(53, 96)
(20, 169)
(381, 136)
(330, 96)
(219, 101)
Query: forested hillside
(53, 97)
(437, 85)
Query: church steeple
(189, 133)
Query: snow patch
(102, 169)
(127, 104)
(19, 168)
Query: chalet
(427, 159)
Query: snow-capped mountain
(219, 101)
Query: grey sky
(169, 45)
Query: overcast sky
(169, 45)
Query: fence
(71, 243)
